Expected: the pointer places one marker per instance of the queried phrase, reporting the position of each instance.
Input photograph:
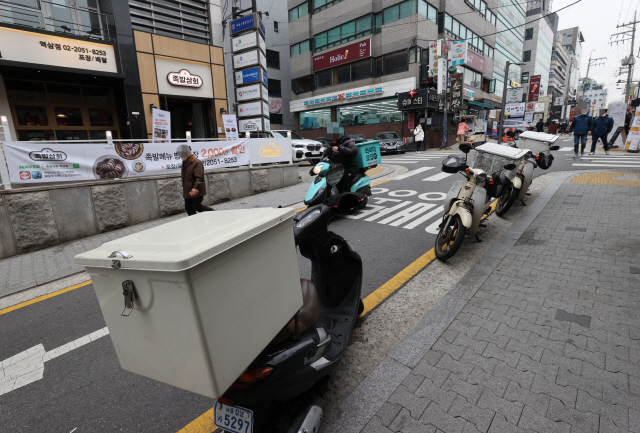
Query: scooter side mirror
(509, 167)
(554, 147)
(464, 147)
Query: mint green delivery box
(368, 154)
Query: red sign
(530, 106)
(573, 112)
(346, 54)
(534, 88)
(474, 61)
(411, 121)
(412, 92)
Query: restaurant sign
(346, 54)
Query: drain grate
(582, 320)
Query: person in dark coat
(580, 127)
(540, 126)
(343, 152)
(602, 126)
(193, 181)
(553, 128)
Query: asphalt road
(84, 388)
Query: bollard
(188, 134)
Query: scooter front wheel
(506, 200)
(450, 237)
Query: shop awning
(480, 104)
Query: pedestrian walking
(193, 182)
(419, 137)
(540, 126)
(580, 128)
(602, 126)
(553, 128)
(563, 127)
(462, 129)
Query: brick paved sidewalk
(542, 335)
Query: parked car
(325, 142)
(358, 138)
(520, 126)
(391, 142)
(301, 146)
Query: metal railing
(59, 18)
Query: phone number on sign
(219, 161)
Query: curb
(353, 414)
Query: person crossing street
(602, 126)
(580, 128)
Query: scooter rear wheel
(506, 200)
(450, 238)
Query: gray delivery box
(536, 141)
(212, 291)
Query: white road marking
(388, 210)
(437, 211)
(566, 149)
(407, 214)
(637, 165)
(28, 366)
(612, 160)
(437, 177)
(403, 193)
(412, 173)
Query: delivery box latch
(129, 293)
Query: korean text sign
(350, 53)
(534, 88)
(34, 162)
(161, 125)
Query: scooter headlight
(309, 218)
(317, 169)
(482, 177)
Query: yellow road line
(202, 424)
(43, 297)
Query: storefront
(421, 107)
(363, 110)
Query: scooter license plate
(233, 418)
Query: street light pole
(504, 99)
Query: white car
(301, 146)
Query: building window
(395, 62)
(456, 30)
(188, 20)
(343, 33)
(275, 88)
(367, 113)
(427, 11)
(361, 70)
(528, 34)
(275, 119)
(319, 5)
(300, 48)
(527, 56)
(323, 79)
(275, 27)
(273, 59)
(298, 12)
(472, 78)
(525, 77)
(316, 119)
(302, 84)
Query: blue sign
(251, 75)
(246, 23)
(264, 78)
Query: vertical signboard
(230, 125)
(161, 125)
(411, 121)
(456, 92)
(458, 53)
(534, 88)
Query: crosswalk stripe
(425, 218)
(565, 149)
(611, 160)
(637, 165)
(437, 177)
(412, 173)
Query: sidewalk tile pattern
(550, 342)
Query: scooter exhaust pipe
(308, 421)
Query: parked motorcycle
(467, 202)
(319, 191)
(290, 370)
(540, 156)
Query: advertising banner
(275, 105)
(538, 107)
(529, 106)
(514, 95)
(573, 112)
(161, 125)
(617, 111)
(250, 40)
(433, 58)
(559, 101)
(255, 91)
(252, 109)
(475, 61)
(247, 23)
(534, 88)
(458, 53)
(346, 54)
(528, 116)
(269, 150)
(515, 110)
(633, 139)
(248, 76)
(35, 162)
(455, 102)
(411, 121)
(230, 125)
(254, 124)
(249, 58)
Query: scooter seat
(307, 315)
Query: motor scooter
(319, 191)
(287, 376)
(467, 202)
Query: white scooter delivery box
(212, 291)
(536, 141)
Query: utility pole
(585, 80)
(631, 60)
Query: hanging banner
(458, 53)
(633, 139)
(230, 125)
(161, 121)
(37, 162)
(433, 59)
(514, 110)
(411, 121)
(573, 112)
(534, 88)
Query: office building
(74, 70)
(539, 36)
(572, 40)
(559, 70)
(595, 95)
(278, 56)
(351, 59)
